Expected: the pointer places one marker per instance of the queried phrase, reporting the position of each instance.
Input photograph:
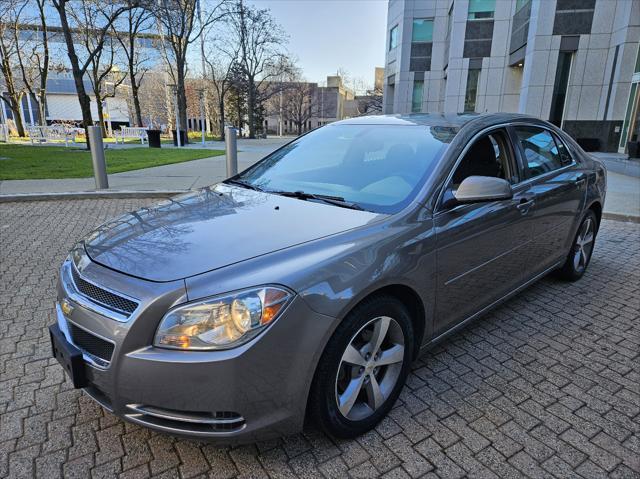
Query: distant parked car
(307, 284)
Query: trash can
(183, 137)
(154, 138)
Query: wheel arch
(596, 207)
(409, 298)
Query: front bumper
(253, 392)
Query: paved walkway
(179, 176)
(623, 195)
(544, 386)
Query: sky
(325, 35)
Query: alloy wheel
(583, 245)
(369, 368)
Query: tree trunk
(251, 100)
(182, 97)
(78, 73)
(221, 113)
(14, 104)
(42, 105)
(14, 96)
(103, 128)
(134, 88)
(136, 103)
(44, 71)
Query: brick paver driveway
(546, 385)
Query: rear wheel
(363, 368)
(581, 249)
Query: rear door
(556, 188)
(479, 245)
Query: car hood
(212, 228)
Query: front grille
(102, 296)
(93, 345)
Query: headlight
(223, 321)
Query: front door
(480, 246)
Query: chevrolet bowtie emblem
(66, 307)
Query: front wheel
(363, 368)
(581, 249)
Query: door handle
(525, 205)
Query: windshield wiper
(244, 184)
(332, 200)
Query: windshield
(379, 168)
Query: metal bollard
(231, 146)
(97, 157)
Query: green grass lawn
(21, 162)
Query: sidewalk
(623, 195)
(178, 177)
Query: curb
(87, 195)
(621, 217)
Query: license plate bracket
(69, 357)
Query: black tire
(573, 269)
(323, 399)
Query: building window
(481, 9)
(631, 118)
(416, 98)
(520, 4)
(422, 30)
(472, 90)
(560, 88)
(421, 45)
(393, 38)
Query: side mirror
(483, 188)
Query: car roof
(435, 119)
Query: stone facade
(516, 46)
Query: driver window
(488, 156)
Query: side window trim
(564, 148)
(514, 164)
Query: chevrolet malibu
(304, 286)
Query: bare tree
(261, 42)
(33, 58)
(105, 78)
(181, 27)
(371, 103)
(300, 103)
(138, 22)
(10, 11)
(101, 15)
(221, 65)
(153, 100)
(102, 69)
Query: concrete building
(327, 104)
(573, 62)
(62, 104)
